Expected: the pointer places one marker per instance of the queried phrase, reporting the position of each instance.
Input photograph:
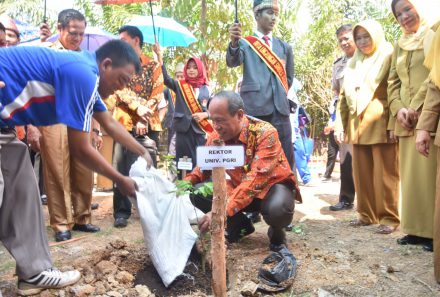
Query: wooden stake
(185, 158)
(218, 247)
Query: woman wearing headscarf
(362, 118)
(429, 123)
(407, 86)
(190, 115)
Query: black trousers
(332, 152)
(277, 209)
(284, 129)
(347, 191)
(186, 145)
(154, 135)
(122, 161)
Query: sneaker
(48, 279)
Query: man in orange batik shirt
(264, 184)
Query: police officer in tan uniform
(346, 196)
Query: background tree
(29, 11)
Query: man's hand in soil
(205, 222)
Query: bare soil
(333, 258)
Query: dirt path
(333, 258)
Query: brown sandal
(385, 229)
(358, 223)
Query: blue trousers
(301, 160)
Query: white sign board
(209, 157)
(185, 164)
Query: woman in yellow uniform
(407, 86)
(363, 118)
(427, 125)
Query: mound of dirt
(193, 282)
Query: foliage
(183, 187)
(206, 190)
(169, 164)
(29, 11)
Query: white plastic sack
(165, 221)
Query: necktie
(266, 40)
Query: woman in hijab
(362, 119)
(190, 126)
(429, 122)
(407, 86)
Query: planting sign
(209, 157)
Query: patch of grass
(58, 263)
(299, 229)
(105, 232)
(8, 265)
(139, 241)
(59, 247)
(408, 250)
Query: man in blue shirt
(41, 87)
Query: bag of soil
(165, 221)
(277, 271)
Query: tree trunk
(218, 247)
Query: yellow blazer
(429, 119)
(407, 84)
(370, 127)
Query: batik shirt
(265, 165)
(144, 89)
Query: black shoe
(120, 223)
(43, 199)
(238, 227)
(341, 206)
(62, 235)
(86, 228)
(255, 217)
(412, 239)
(428, 246)
(94, 206)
